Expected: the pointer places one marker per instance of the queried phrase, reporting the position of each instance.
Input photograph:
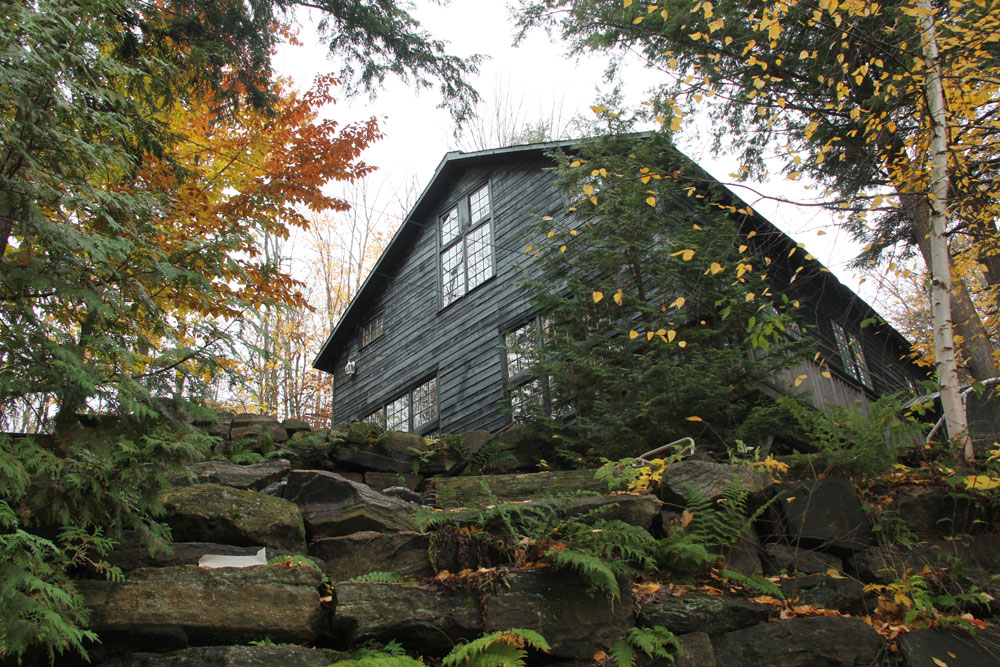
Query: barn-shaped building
(421, 347)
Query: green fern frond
(504, 648)
(378, 577)
(759, 584)
(656, 642)
(595, 571)
(622, 654)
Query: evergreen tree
(659, 323)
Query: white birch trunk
(944, 346)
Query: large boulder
(828, 592)
(255, 476)
(231, 656)
(828, 514)
(636, 509)
(556, 604)
(468, 491)
(214, 513)
(333, 505)
(831, 641)
(784, 558)
(704, 613)
(190, 605)
(931, 648)
(130, 555)
(353, 555)
(423, 618)
(683, 479)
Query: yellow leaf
(618, 297)
(743, 248)
(633, 334)
(715, 268)
(682, 343)
(562, 248)
(750, 297)
(678, 302)
(800, 379)
(528, 249)
(982, 482)
(628, 3)
(939, 663)
(671, 335)
(599, 108)
(661, 332)
(651, 201)
(695, 36)
(573, 232)
(638, 19)
(601, 656)
(687, 254)
(649, 335)
(695, 419)
(598, 296)
(826, 374)
(593, 200)
(588, 189)
(575, 163)
(664, 14)
(550, 235)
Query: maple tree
(882, 103)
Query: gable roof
(453, 163)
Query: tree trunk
(944, 347)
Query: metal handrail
(642, 459)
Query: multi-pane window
(414, 411)
(371, 330)
(525, 390)
(466, 247)
(851, 355)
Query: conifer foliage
(660, 323)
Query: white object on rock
(213, 560)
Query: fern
(721, 524)
(379, 577)
(655, 642)
(595, 571)
(759, 584)
(504, 648)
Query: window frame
(521, 385)
(377, 332)
(852, 357)
(380, 415)
(470, 244)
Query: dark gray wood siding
(461, 344)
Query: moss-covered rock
(214, 513)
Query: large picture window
(415, 411)
(466, 245)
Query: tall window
(525, 390)
(415, 411)
(851, 355)
(466, 248)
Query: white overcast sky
(539, 75)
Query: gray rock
(784, 558)
(825, 592)
(832, 641)
(353, 555)
(214, 513)
(827, 513)
(696, 651)
(245, 418)
(744, 555)
(383, 480)
(257, 430)
(200, 606)
(231, 656)
(130, 555)
(920, 647)
(277, 489)
(473, 441)
(402, 493)
(704, 613)
(254, 476)
(423, 618)
(295, 425)
(556, 604)
(468, 491)
(333, 505)
(638, 510)
(708, 478)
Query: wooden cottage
(421, 347)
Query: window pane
(860, 365)
(452, 273)
(449, 226)
(372, 329)
(397, 414)
(480, 259)
(377, 417)
(479, 204)
(425, 405)
(525, 396)
(846, 358)
(518, 343)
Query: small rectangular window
(425, 403)
(479, 205)
(525, 397)
(371, 330)
(480, 256)
(852, 357)
(450, 227)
